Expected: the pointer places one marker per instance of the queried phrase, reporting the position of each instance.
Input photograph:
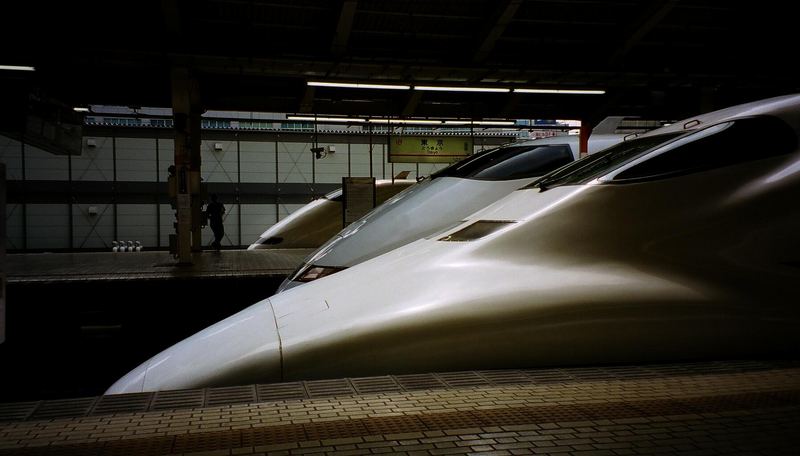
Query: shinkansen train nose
(242, 349)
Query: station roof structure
(664, 58)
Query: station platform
(108, 266)
(700, 408)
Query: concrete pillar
(586, 130)
(186, 111)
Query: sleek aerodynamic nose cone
(242, 349)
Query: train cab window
(720, 145)
(506, 163)
(531, 163)
(601, 163)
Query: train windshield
(507, 163)
(720, 145)
(598, 164)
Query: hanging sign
(428, 149)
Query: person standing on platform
(214, 212)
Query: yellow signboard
(428, 149)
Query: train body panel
(244, 347)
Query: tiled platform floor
(60, 267)
(730, 407)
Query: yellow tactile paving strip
(768, 401)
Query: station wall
(63, 220)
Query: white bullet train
(671, 247)
(316, 222)
(441, 200)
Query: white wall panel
(166, 157)
(11, 155)
(256, 218)
(359, 160)
(294, 162)
(137, 222)
(219, 165)
(92, 231)
(379, 161)
(136, 159)
(48, 226)
(258, 161)
(331, 168)
(94, 163)
(41, 165)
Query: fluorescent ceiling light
(349, 85)
(480, 122)
(407, 121)
(494, 122)
(80, 109)
(566, 91)
(324, 119)
(461, 89)
(17, 68)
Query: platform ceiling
(666, 59)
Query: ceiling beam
(510, 106)
(644, 25)
(503, 17)
(413, 102)
(307, 102)
(344, 27)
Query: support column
(586, 130)
(186, 111)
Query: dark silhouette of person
(214, 211)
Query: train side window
(736, 142)
(530, 163)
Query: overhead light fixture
(406, 121)
(349, 85)
(462, 89)
(565, 91)
(324, 119)
(494, 122)
(79, 109)
(17, 68)
(479, 122)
